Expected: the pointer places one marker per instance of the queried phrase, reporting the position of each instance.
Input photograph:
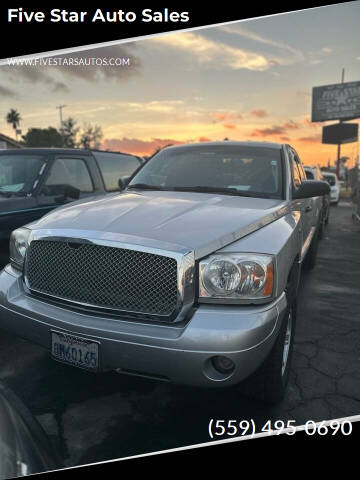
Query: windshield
(235, 170)
(19, 172)
(330, 179)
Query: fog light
(223, 364)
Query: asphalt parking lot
(99, 417)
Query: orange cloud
(268, 132)
(306, 121)
(275, 129)
(230, 126)
(310, 139)
(222, 117)
(259, 113)
(291, 125)
(204, 139)
(138, 146)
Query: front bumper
(181, 354)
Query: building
(7, 142)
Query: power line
(60, 108)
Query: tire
(310, 259)
(268, 383)
(327, 216)
(322, 229)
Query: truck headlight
(236, 277)
(18, 246)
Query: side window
(69, 171)
(300, 167)
(295, 170)
(114, 166)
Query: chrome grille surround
(180, 260)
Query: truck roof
(64, 151)
(276, 146)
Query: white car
(314, 173)
(334, 183)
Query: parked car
(35, 181)
(24, 446)
(314, 173)
(334, 183)
(190, 274)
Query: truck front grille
(103, 276)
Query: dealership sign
(340, 101)
(340, 133)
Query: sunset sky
(250, 80)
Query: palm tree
(13, 117)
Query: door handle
(308, 208)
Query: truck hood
(197, 222)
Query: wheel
(310, 259)
(268, 383)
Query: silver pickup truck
(190, 274)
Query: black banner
(30, 30)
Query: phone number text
(232, 428)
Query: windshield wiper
(223, 190)
(201, 189)
(145, 186)
(206, 189)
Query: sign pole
(338, 161)
(339, 145)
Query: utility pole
(60, 108)
(339, 145)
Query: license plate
(77, 351)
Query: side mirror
(72, 192)
(312, 188)
(67, 191)
(123, 182)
